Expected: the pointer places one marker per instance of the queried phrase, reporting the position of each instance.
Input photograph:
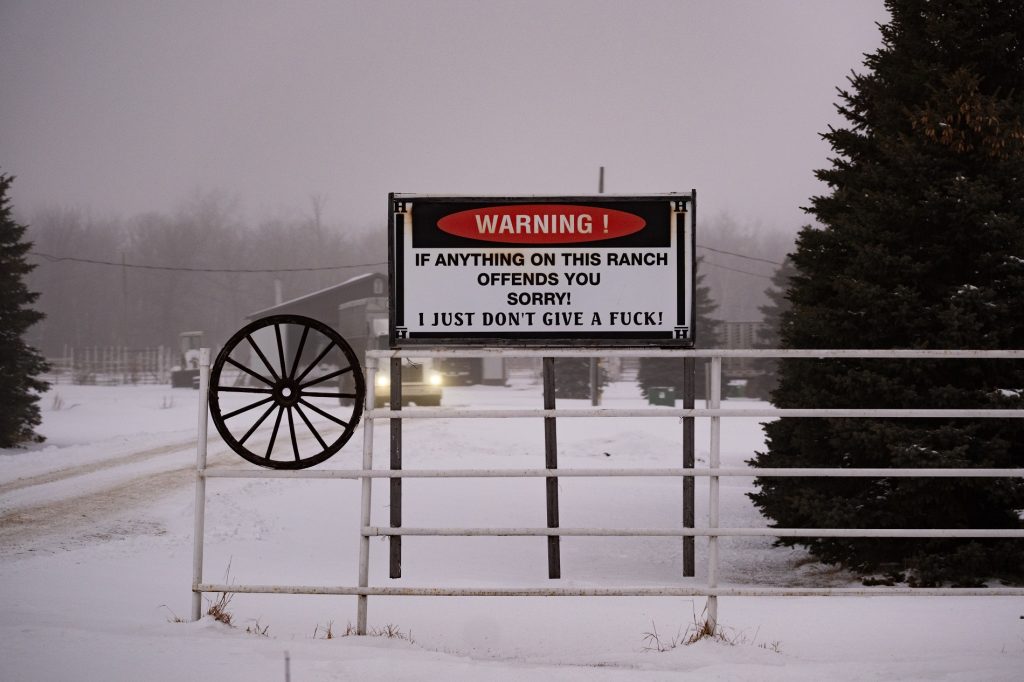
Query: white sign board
(594, 270)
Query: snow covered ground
(96, 556)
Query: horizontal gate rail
(705, 532)
(662, 412)
(811, 354)
(611, 473)
(643, 591)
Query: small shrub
(219, 608)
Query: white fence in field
(713, 473)
(112, 365)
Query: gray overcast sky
(121, 107)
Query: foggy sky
(124, 107)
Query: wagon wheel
(290, 374)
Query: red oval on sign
(541, 223)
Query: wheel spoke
(247, 408)
(280, 350)
(316, 362)
(316, 434)
(266, 363)
(291, 428)
(257, 424)
(250, 372)
(273, 434)
(322, 394)
(326, 377)
(243, 389)
(298, 353)
(324, 414)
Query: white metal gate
(713, 473)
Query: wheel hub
(287, 393)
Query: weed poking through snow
(255, 629)
(328, 632)
(388, 631)
(654, 642)
(219, 607)
(174, 618)
(702, 629)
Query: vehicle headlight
(383, 381)
(435, 379)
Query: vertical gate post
(200, 509)
(395, 491)
(366, 488)
(689, 391)
(714, 461)
(551, 462)
(595, 388)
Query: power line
(742, 272)
(739, 255)
(57, 259)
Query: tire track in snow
(93, 467)
(100, 465)
(99, 515)
(107, 513)
(96, 516)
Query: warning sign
(596, 270)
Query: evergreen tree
(572, 377)
(668, 372)
(769, 336)
(921, 245)
(20, 364)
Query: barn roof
(327, 300)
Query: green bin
(661, 395)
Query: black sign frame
(684, 205)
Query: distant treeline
(157, 275)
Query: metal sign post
(689, 390)
(395, 490)
(551, 463)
